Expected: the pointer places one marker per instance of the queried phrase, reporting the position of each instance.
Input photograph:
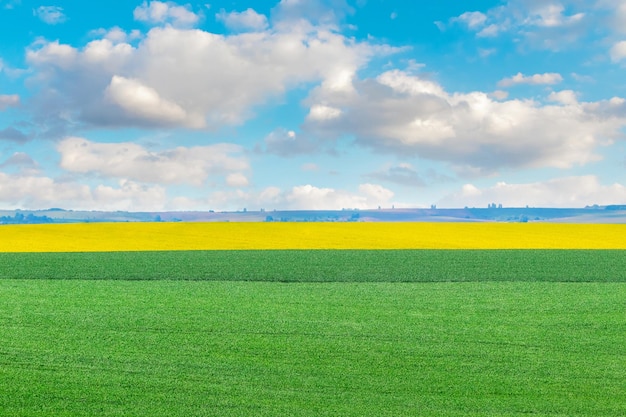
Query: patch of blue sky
(139, 105)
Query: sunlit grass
(181, 348)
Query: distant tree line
(20, 218)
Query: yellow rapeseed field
(101, 237)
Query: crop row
(224, 236)
(322, 265)
(183, 348)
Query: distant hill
(593, 214)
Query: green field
(324, 265)
(198, 345)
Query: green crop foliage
(324, 265)
(313, 333)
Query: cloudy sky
(318, 104)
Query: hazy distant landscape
(590, 214)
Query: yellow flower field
(101, 237)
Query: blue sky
(316, 104)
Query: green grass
(324, 265)
(468, 333)
(312, 349)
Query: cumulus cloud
(499, 94)
(214, 80)
(552, 15)
(542, 24)
(404, 114)
(129, 196)
(145, 103)
(116, 35)
(535, 79)
(9, 100)
(315, 198)
(472, 20)
(26, 191)
(52, 55)
(133, 162)
(578, 191)
(618, 51)
(51, 15)
(300, 197)
(248, 20)
(158, 12)
(109, 54)
(237, 179)
(323, 112)
(567, 97)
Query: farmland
(254, 348)
(416, 331)
(323, 265)
(105, 237)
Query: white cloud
(535, 79)
(248, 20)
(543, 24)
(133, 162)
(300, 197)
(116, 34)
(551, 15)
(158, 12)
(214, 80)
(9, 100)
(51, 15)
(577, 191)
(27, 191)
(145, 103)
(489, 31)
(620, 15)
(499, 94)
(567, 97)
(130, 196)
(54, 54)
(582, 78)
(314, 198)
(618, 51)
(237, 179)
(322, 112)
(406, 115)
(473, 20)
(107, 54)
